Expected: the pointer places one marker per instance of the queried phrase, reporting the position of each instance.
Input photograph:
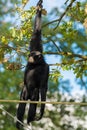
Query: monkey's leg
(21, 108)
(43, 98)
(33, 106)
(20, 114)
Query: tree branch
(59, 19)
(67, 54)
(68, 63)
(50, 53)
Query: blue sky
(48, 4)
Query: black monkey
(36, 75)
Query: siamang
(35, 76)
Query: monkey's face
(35, 57)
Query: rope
(40, 102)
(9, 114)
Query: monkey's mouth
(31, 59)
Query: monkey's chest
(35, 76)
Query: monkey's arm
(37, 24)
(35, 43)
(25, 74)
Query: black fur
(35, 43)
(36, 75)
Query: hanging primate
(36, 75)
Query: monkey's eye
(36, 57)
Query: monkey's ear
(44, 12)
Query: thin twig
(66, 2)
(58, 49)
(10, 115)
(68, 7)
(25, 3)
